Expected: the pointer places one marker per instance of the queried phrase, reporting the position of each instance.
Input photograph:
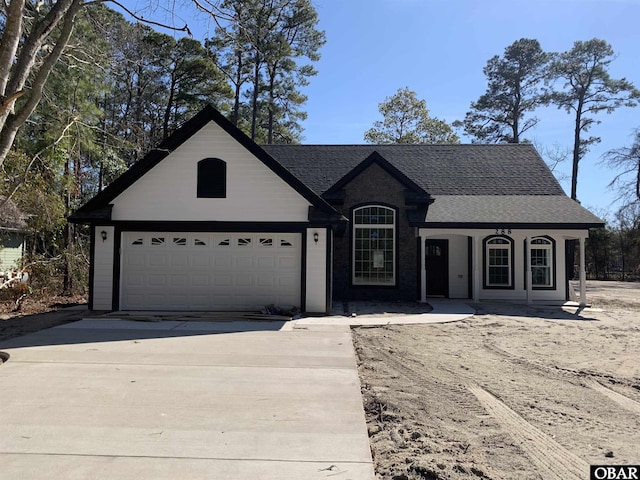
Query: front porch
(506, 264)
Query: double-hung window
(498, 262)
(541, 262)
(374, 246)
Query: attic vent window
(212, 178)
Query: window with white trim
(374, 246)
(541, 262)
(498, 257)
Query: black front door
(437, 262)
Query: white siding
(168, 191)
(316, 275)
(11, 250)
(103, 269)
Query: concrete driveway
(182, 400)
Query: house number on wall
(503, 231)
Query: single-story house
(210, 221)
(12, 236)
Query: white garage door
(209, 271)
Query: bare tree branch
(145, 20)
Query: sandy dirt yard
(512, 393)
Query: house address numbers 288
(503, 231)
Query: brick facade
(376, 186)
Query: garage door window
(244, 242)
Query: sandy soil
(37, 313)
(511, 393)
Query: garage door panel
(287, 261)
(156, 280)
(223, 280)
(134, 280)
(136, 260)
(266, 280)
(221, 261)
(243, 261)
(200, 280)
(243, 280)
(178, 280)
(157, 260)
(209, 271)
(264, 261)
(284, 281)
(181, 260)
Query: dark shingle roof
(521, 209)
(438, 169)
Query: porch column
(423, 269)
(583, 275)
(529, 276)
(477, 268)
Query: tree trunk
(66, 274)
(9, 46)
(254, 97)
(576, 151)
(238, 89)
(9, 125)
(167, 111)
(271, 106)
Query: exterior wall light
(103, 234)
(316, 237)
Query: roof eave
(512, 225)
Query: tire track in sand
(620, 399)
(552, 460)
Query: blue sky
(438, 48)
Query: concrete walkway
(372, 314)
(123, 399)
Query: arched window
(212, 178)
(374, 245)
(542, 262)
(498, 262)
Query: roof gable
(376, 158)
(98, 207)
